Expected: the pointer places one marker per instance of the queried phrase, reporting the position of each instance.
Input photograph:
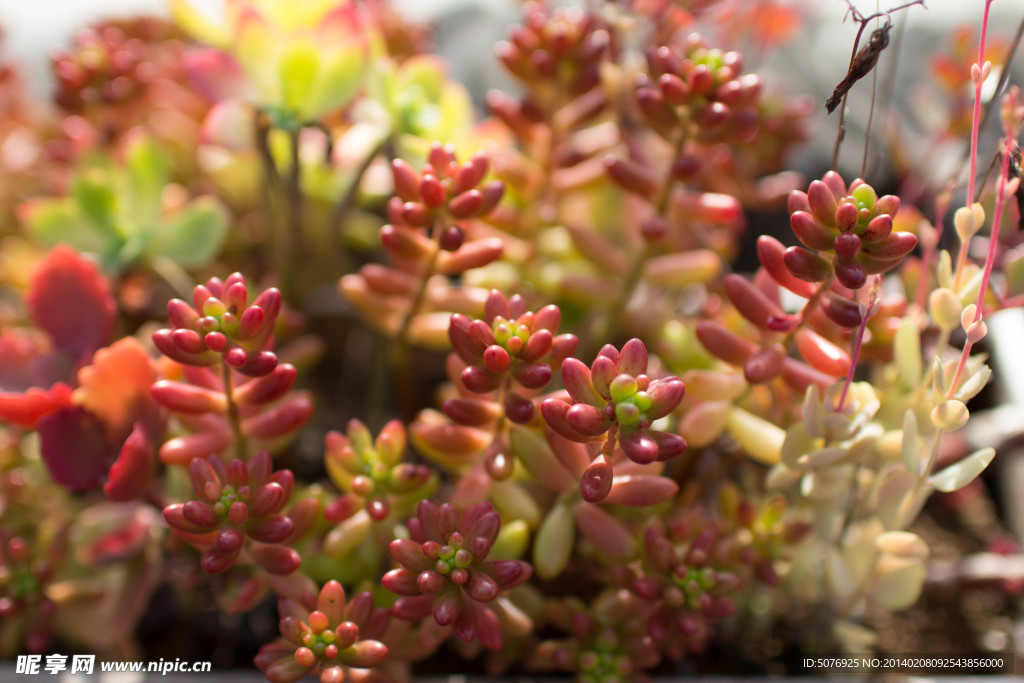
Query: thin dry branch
(861, 63)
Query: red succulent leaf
(74, 446)
(131, 472)
(25, 410)
(71, 301)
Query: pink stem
(853, 364)
(870, 310)
(990, 259)
(975, 124)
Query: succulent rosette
(616, 393)
(608, 641)
(445, 571)
(686, 584)
(235, 502)
(435, 232)
(444, 187)
(699, 85)
(765, 530)
(563, 48)
(370, 471)
(509, 342)
(333, 637)
(848, 232)
(220, 324)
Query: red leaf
(70, 300)
(131, 473)
(25, 410)
(74, 446)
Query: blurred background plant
(608, 370)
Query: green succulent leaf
(193, 236)
(299, 66)
(53, 221)
(899, 583)
(147, 172)
(909, 448)
(961, 474)
(95, 199)
(554, 542)
(338, 80)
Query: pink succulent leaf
(342, 26)
(639, 447)
(577, 379)
(641, 490)
(596, 481)
(633, 359)
(216, 75)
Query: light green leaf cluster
(128, 213)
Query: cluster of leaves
(607, 377)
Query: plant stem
(993, 243)
(636, 269)
(888, 88)
(805, 312)
(348, 200)
(841, 129)
(858, 340)
(1004, 78)
(293, 232)
(975, 125)
(942, 205)
(867, 129)
(402, 350)
(629, 284)
(234, 418)
(858, 17)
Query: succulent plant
(222, 324)
(238, 508)
(329, 636)
(371, 472)
(615, 393)
(758, 441)
(445, 571)
(853, 224)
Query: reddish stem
(989, 260)
(976, 122)
(975, 125)
(859, 339)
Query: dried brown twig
(861, 62)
